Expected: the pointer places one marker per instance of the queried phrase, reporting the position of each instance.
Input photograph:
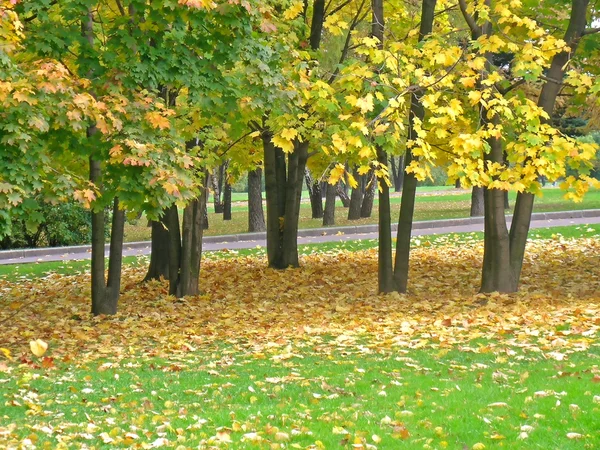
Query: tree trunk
(159, 253)
(274, 161)
(506, 200)
(316, 26)
(477, 203)
(366, 208)
(341, 192)
(105, 296)
(356, 198)
(497, 274)
(217, 179)
(315, 195)
(256, 217)
(227, 202)
(409, 189)
(329, 213)
(404, 232)
(185, 261)
(296, 167)
(398, 173)
(283, 184)
(205, 216)
(323, 186)
(97, 263)
(115, 260)
(385, 272)
(172, 220)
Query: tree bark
(205, 216)
(398, 173)
(316, 26)
(188, 246)
(227, 202)
(341, 192)
(159, 253)
(115, 260)
(256, 218)
(356, 197)
(477, 203)
(296, 168)
(315, 195)
(172, 220)
(217, 178)
(385, 272)
(274, 162)
(329, 213)
(283, 184)
(366, 209)
(97, 259)
(497, 274)
(409, 189)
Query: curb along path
(305, 236)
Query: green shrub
(61, 225)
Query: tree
(504, 250)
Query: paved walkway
(306, 236)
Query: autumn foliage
(332, 294)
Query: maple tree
(446, 83)
(125, 133)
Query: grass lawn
(327, 393)
(313, 358)
(430, 205)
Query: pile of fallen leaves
(332, 294)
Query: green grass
(430, 206)
(14, 272)
(320, 394)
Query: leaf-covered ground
(312, 358)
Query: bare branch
(590, 31)
(121, 9)
(355, 21)
(337, 8)
(507, 89)
(469, 19)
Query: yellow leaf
(6, 353)
(288, 133)
(293, 11)
(365, 104)
(363, 170)
(286, 145)
(352, 181)
(478, 446)
(336, 174)
(38, 347)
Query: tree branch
(590, 31)
(506, 90)
(469, 19)
(337, 8)
(120, 6)
(355, 21)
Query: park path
(306, 236)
